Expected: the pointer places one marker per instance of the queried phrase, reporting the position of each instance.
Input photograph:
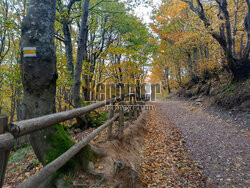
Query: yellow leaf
(100, 167)
(182, 171)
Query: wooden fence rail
(44, 173)
(8, 134)
(28, 126)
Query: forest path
(221, 149)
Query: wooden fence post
(4, 154)
(141, 106)
(139, 109)
(111, 115)
(135, 109)
(130, 108)
(121, 119)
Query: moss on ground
(61, 142)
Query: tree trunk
(39, 75)
(167, 78)
(241, 69)
(68, 48)
(88, 79)
(235, 25)
(196, 65)
(81, 54)
(190, 66)
(178, 74)
(13, 103)
(18, 104)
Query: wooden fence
(9, 133)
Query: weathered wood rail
(9, 133)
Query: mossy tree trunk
(39, 75)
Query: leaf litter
(165, 161)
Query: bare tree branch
(199, 11)
(91, 8)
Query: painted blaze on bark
(39, 72)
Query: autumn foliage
(188, 49)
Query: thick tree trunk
(38, 69)
(240, 69)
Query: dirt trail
(177, 145)
(219, 146)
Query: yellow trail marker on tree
(29, 52)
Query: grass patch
(231, 88)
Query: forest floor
(219, 145)
(180, 144)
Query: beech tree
(39, 75)
(239, 64)
(193, 54)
